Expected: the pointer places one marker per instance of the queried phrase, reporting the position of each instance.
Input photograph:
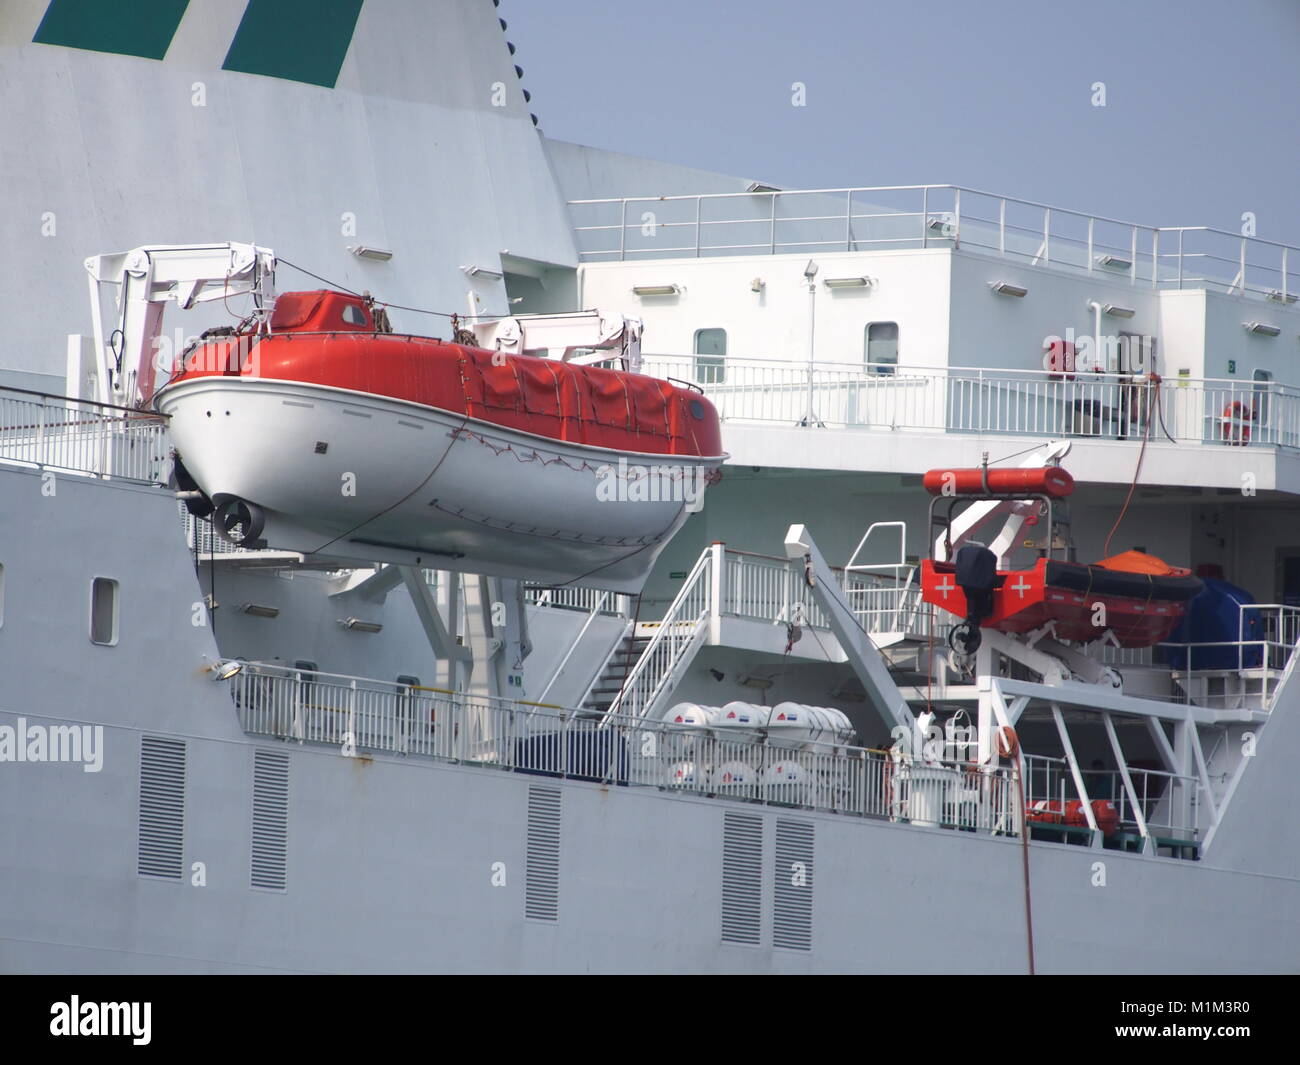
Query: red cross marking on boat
(1022, 586)
(945, 587)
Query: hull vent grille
(270, 819)
(793, 885)
(542, 871)
(742, 878)
(161, 829)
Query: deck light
(357, 625)
(1115, 262)
(1282, 297)
(1116, 311)
(656, 290)
(364, 251)
(847, 282)
(1006, 288)
(224, 669)
(483, 272)
(260, 611)
(1262, 329)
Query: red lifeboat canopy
(1050, 481)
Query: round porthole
(697, 410)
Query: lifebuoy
(1237, 417)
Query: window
(352, 314)
(103, 611)
(710, 356)
(882, 348)
(1263, 387)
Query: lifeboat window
(103, 611)
(710, 356)
(882, 348)
(353, 315)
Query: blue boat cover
(1215, 616)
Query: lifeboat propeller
(239, 521)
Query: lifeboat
(1137, 598)
(328, 436)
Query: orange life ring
(1236, 419)
(1006, 742)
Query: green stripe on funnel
(299, 40)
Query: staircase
(622, 661)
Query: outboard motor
(977, 570)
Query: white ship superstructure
(317, 760)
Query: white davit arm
(1013, 511)
(149, 277)
(581, 337)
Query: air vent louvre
(742, 878)
(542, 869)
(793, 885)
(161, 828)
(270, 820)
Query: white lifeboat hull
(358, 476)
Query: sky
(1200, 123)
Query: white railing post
(716, 578)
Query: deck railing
(581, 599)
(892, 217)
(1167, 805)
(956, 399)
(80, 437)
(362, 716)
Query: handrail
(1112, 244)
(149, 415)
(592, 614)
(640, 692)
(1038, 403)
(82, 436)
(359, 716)
(776, 193)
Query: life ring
(1006, 742)
(1237, 417)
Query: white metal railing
(1102, 406)
(1167, 804)
(361, 716)
(766, 588)
(681, 630)
(583, 599)
(1228, 674)
(808, 221)
(81, 437)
